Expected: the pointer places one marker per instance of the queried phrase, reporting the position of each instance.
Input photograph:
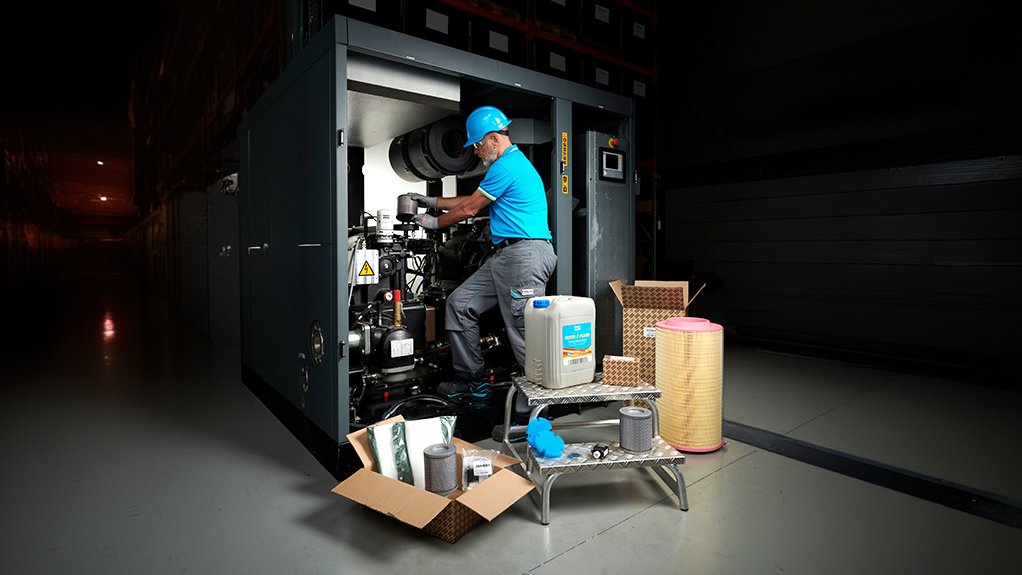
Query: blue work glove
(427, 221)
(424, 201)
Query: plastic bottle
(560, 339)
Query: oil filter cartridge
(636, 426)
(406, 208)
(441, 468)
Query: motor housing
(432, 152)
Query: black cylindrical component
(393, 349)
(432, 151)
(398, 274)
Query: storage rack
(607, 55)
(577, 458)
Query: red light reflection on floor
(108, 327)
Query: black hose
(426, 398)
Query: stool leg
(509, 408)
(547, 485)
(656, 416)
(682, 492)
(536, 411)
(676, 483)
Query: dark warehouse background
(842, 180)
(843, 177)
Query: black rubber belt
(963, 498)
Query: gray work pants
(508, 278)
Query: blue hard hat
(482, 121)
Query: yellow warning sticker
(564, 183)
(564, 149)
(366, 270)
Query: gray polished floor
(934, 427)
(131, 446)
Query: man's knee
(458, 313)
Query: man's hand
(427, 221)
(424, 201)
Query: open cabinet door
(294, 213)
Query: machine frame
(293, 187)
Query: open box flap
(407, 503)
(661, 284)
(491, 497)
(617, 286)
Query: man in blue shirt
(523, 259)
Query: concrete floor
(131, 446)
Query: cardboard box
(620, 370)
(643, 305)
(448, 518)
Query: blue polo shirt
(518, 208)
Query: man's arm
(460, 208)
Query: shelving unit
(577, 457)
(537, 29)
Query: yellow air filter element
(690, 375)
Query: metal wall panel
(560, 200)
(918, 262)
(289, 183)
(610, 227)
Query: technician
(523, 258)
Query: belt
(512, 241)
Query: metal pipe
(397, 307)
(354, 339)
(569, 425)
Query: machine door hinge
(340, 138)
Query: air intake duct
(432, 151)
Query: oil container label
(577, 343)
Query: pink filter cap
(688, 326)
(684, 319)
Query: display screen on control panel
(612, 165)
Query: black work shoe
(467, 390)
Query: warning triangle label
(366, 270)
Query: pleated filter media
(441, 466)
(636, 428)
(690, 376)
